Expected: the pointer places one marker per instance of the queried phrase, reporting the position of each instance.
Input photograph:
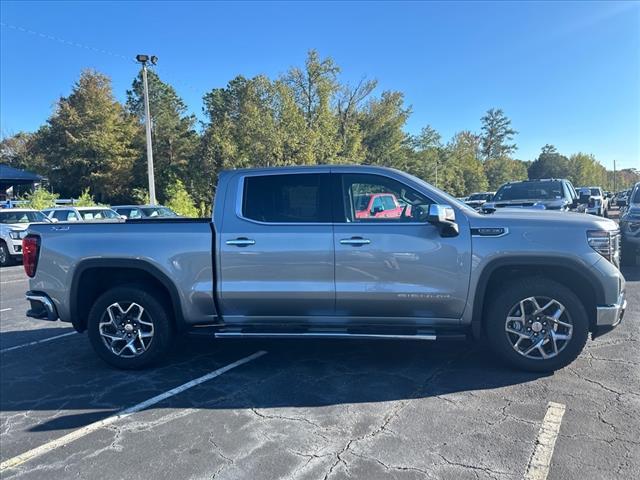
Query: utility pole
(615, 187)
(143, 59)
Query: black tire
(5, 257)
(157, 314)
(501, 305)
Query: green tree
(40, 199)
(85, 199)
(175, 140)
(463, 151)
(496, 135)
(180, 201)
(585, 170)
(504, 169)
(382, 124)
(89, 142)
(314, 88)
(549, 164)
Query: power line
(69, 43)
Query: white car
(598, 203)
(81, 214)
(13, 225)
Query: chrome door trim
(241, 242)
(355, 241)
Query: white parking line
(4, 310)
(538, 468)
(13, 281)
(92, 427)
(44, 340)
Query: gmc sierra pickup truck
(287, 256)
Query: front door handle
(355, 241)
(241, 242)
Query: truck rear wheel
(537, 324)
(129, 328)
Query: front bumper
(609, 316)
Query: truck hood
(541, 218)
(551, 204)
(16, 226)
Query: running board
(368, 336)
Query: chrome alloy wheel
(126, 329)
(538, 328)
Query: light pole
(143, 59)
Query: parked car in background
(287, 255)
(630, 228)
(598, 203)
(378, 205)
(476, 200)
(81, 214)
(144, 211)
(543, 194)
(622, 198)
(13, 227)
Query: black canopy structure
(13, 177)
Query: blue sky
(565, 73)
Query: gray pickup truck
(305, 252)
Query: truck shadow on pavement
(293, 374)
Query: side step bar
(238, 334)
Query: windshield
(595, 192)
(361, 201)
(22, 217)
(98, 214)
(159, 212)
(529, 191)
(636, 195)
(479, 196)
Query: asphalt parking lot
(312, 409)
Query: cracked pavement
(315, 409)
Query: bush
(41, 199)
(180, 201)
(141, 196)
(85, 199)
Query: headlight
(17, 234)
(606, 243)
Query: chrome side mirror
(444, 217)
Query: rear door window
(290, 198)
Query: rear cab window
(287, 198)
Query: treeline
(305, 117)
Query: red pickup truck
(378, 205)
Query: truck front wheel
(129, 328)
(537, 324)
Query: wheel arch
(571, 273)
(93, 277)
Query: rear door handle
(355, 241)
(241, 242)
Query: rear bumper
(609, 316)
(42, 307)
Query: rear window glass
(295, 198)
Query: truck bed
(176, 251)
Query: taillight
(30, 251)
